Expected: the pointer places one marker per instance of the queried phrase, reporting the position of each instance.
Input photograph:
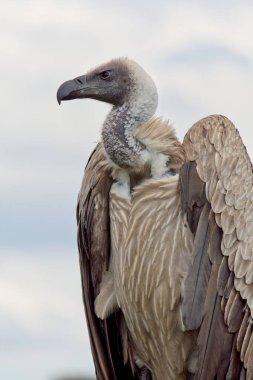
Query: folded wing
(109, 341)
(217, 194)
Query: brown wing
(106, 337)
(217, 193)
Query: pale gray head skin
(133, 95)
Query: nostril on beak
(79, 80)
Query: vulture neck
(118, 133)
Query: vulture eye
(104, 75)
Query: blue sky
(200, 55)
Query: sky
(199, 53)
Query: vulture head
(118, 82)
(129, 89)
(133, 95)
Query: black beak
(72, 89)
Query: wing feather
(215, 151)
(198, 276)
(109, 339)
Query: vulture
(165, 236)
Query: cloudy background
(200, 54)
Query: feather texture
(106, 302)
(149, 273)
(196, 282)
(228, 189)
(106, 337)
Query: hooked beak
(72, 89)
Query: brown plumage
(165, 235)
